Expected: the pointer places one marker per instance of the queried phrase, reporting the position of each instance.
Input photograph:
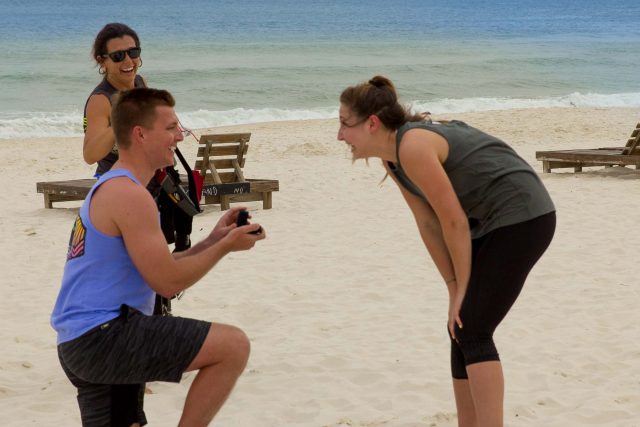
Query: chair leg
(267, 200)
(48, 203)
(224, 203)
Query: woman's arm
(431, 234)
(422, 154)
(98, 138)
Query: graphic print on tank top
(76, 241)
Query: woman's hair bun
(381, 82)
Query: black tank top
(495, 186)
(105, 88)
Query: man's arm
(127, 209)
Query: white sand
(345, 311)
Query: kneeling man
(109, 344)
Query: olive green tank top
(495, 186)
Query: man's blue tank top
(99, 276)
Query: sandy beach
(345, 311)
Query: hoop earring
(102, 71)
(140, 66)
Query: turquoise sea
(252, 61)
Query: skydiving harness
(188, 203)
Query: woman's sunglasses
(119, 55)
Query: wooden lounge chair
(74, 189)
(576, 159)
(220, 160)
(63, 191)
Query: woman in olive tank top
(116, 50)
(483, 214)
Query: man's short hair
(136, 107)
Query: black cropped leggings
(501, 261)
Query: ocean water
(251, 61)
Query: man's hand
(241, 238)
(226, 223)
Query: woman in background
(116, 51)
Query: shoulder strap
(193, 193)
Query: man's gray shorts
(110, 363)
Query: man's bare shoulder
(119, 186)
(123, 191)
(119, 201)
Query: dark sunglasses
(119, 55)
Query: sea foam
(63, 124)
